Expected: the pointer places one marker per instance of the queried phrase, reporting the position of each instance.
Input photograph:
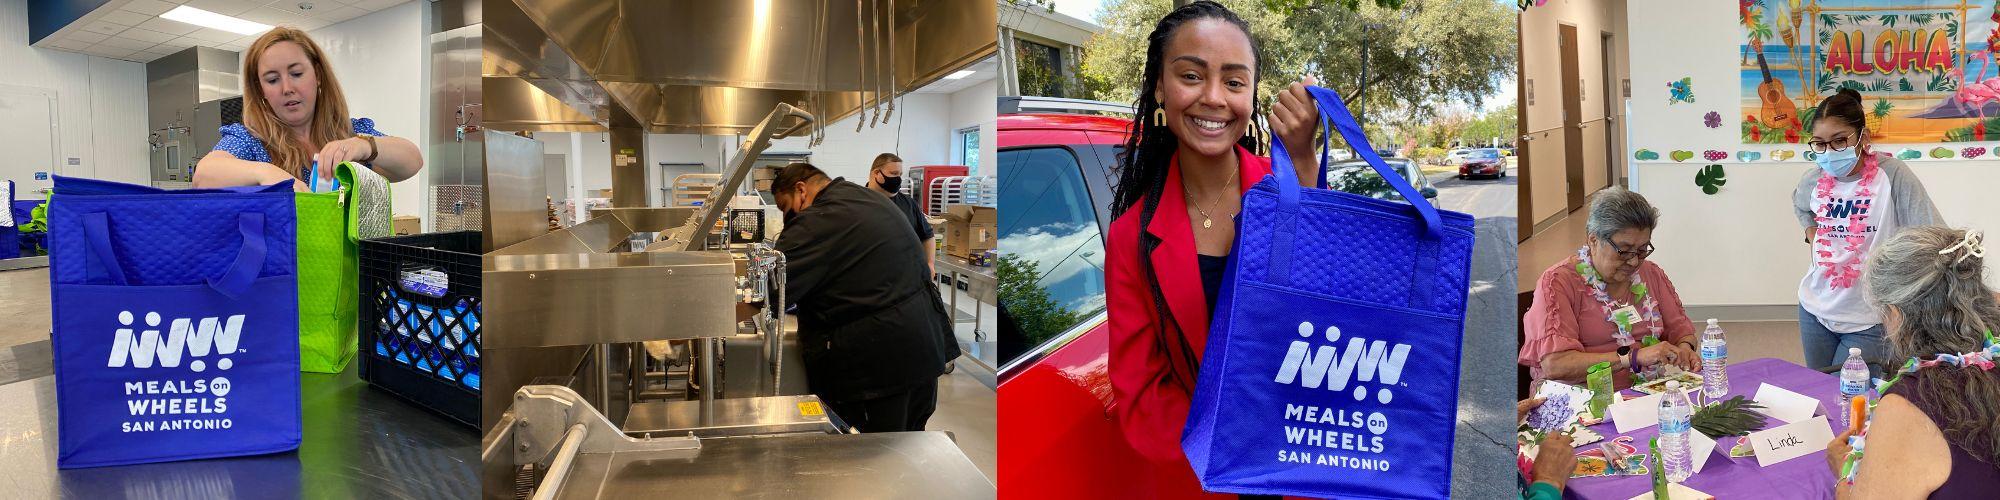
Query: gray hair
(1617, 209)
(1945, 307)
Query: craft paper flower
(1552, 415)
(1589, 467)
(1712, 119)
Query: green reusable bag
(330, 227)
(1598, 380)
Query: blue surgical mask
(1837, 162)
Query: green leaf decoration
(1728, 418)
(1710, 178)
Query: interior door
(1613, 154)
(1572, 104)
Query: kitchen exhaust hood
(709, 67)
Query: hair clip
(1972, 245)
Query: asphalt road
(1483, 455)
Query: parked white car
(1456, 156)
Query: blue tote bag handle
(1332, 108)
(101, 262)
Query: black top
(870, 322)
(1972, 475)
(1211, 276)
(918, 220)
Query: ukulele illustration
(1777, 111)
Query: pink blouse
(1565, 317)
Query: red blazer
(1151, 401)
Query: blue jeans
(1826, 349)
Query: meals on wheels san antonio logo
(182, 398)
(1347, 436)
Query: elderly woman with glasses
(1837, 204)
(1602, 304)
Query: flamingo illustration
(1978, 91)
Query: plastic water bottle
(1675, 424)
(1853, 382)
(1714, 358)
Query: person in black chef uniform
(886, 176)
(872, 329)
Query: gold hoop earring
(1159, 116)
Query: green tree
(1498, 123)
(1422, 56)
(1039, 316)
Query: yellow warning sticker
(810, 409)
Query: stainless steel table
(895, 465)
(979, 282)
(358, 443)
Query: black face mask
(892, 183)
(788, 215)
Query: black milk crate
(420, 320)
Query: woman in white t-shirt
(1856, 197)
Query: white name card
(1785, 405)
(1789, 441)
(1677, 491)
(1635, 413)
(1700, 447)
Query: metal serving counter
(552, 444)
(731, 417)
(358, 443)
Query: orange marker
(1860, 414)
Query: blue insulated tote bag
(1332, 360)
(176, 322)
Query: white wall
(383, 62)
(711, 151)
(920, 132)
(596, 156)
(95, 97)
(1741, 246)
(975, 106)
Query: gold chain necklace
(1206, 220)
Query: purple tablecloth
(1727, 478)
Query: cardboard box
(406, 224)
(970, 230)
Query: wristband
(372, 149)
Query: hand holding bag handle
(102, 261)
(1331, 107)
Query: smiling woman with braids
(1188, 161)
